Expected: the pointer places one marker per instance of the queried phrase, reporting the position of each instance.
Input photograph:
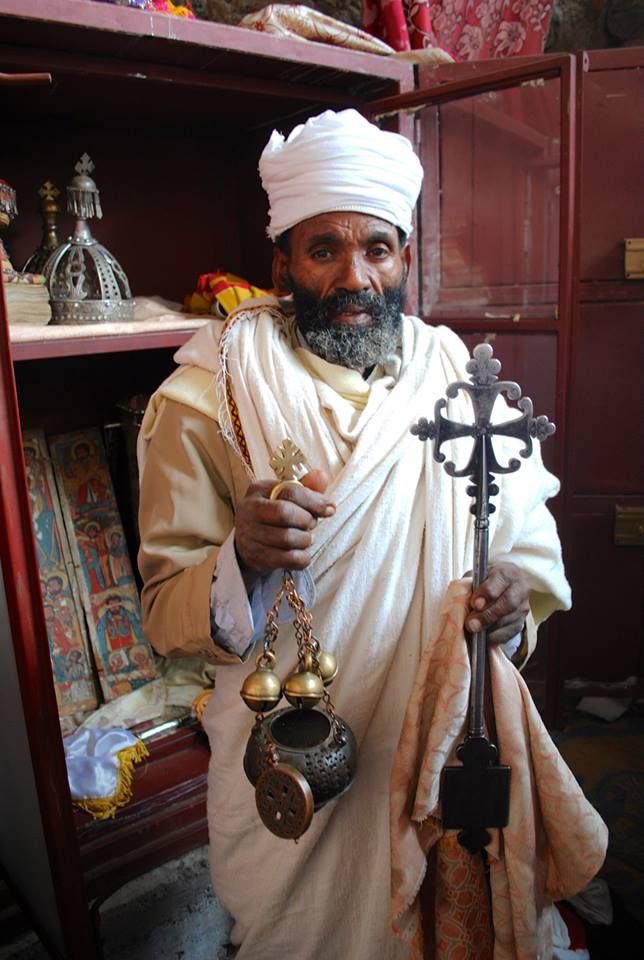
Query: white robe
(402, 531)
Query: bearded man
(374, 534)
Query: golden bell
(262, 689)
(303, 689)
(327, 667)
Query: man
(375, 532)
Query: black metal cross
(483, 390)
(475, 796)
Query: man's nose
(352, 274)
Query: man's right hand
(277, 534)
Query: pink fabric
(555, 841)
(467, 29)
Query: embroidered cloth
(467, 29)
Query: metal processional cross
(476, 796)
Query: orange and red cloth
(466, 29)
(158, 6)
(220, 292)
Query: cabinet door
(603, 640)
(496, 258)
(38, 844)
(496, 215)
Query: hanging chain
(308, 647)
(336, 724)
(271, 631)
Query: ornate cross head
(48, 191)
(85, 165)
(483, 389)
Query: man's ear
(280, 272)
(405, 253)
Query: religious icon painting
(69, 650)
(123, 657)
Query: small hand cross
(288, 461)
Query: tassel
(83, 198)
(84, 204)
(102, 808)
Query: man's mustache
(363, 301)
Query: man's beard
(357, 347)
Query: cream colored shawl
(381, 567)
(555, 841)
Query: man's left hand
(500, 604)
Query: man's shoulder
(202, 349)
(194, 382)
(438, 335)
(252, 305)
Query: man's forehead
(343, 223)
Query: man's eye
(321, 253)
(379, 252)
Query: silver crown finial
(86, 282)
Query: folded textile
(427, 56)
(219, 292)
(100, 769)
(555, 841)
(301, 22)
(183, 680)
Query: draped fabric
(381, 566)
(467, 29)
(553, 845)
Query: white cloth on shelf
(92, 762)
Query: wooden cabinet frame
(193, 62)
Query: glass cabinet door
(495, 250)
(491, 242)
(495, 215)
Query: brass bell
(327, 667)
(303, 689)
(262, 689)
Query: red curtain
(467, 29)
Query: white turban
(339, 161)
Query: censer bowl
(305, 740)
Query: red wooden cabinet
(520, 239)
(174, 114)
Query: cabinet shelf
(59, 341)
(174, 67)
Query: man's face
(347, 274)
(54, 586)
